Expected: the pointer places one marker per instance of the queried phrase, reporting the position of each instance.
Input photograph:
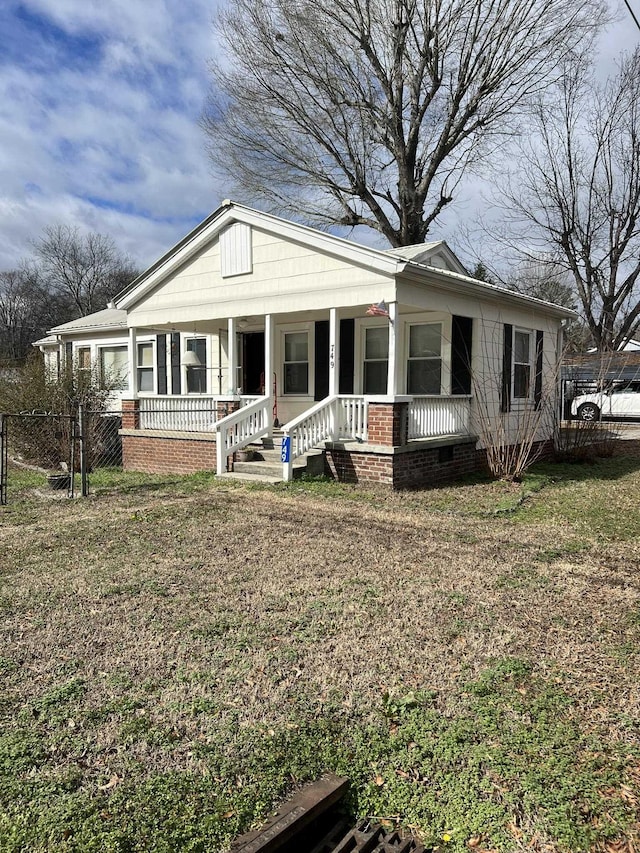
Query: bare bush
(46, 441)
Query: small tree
(513, 441)
(46, 441)
(514, 432)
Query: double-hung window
(522, 356)
(114, 367)
(145, 367)
(376, 359)
(83, 361)
(424, 364)
(197, 376)
(296, 363)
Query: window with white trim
(424, 362)
(114, 367)
(296, 363)
(376, 360)
(522, 359)
(197, 376)
(145, 367)
(83, 362)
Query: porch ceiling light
(190, 359)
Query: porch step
(253, 478)
(267, 465)
(273, 441)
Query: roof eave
(455, 281)
(59, 331)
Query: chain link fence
(57, 452)
(38, 449)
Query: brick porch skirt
(153, 453)
(418, 464)
(406, 467)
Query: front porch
(368, 388)
(399, 441)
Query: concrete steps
(266, 466)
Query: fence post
(4, 459)
(82, 425)
(73, 426)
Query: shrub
(46, 441)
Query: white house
(382, 359)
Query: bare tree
(84, 270)
(25, 314)
(576, 202)
(368, 112)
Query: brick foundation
(167, 454)
(422, 467)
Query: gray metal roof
(108, 318)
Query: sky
(99, 108)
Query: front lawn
(179, 653)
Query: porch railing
(185, 414)
(240, 428)
(340, 416)
(435, 415)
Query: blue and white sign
(286, 448)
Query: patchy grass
(179, 653)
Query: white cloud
(99, 123)
(99, 107)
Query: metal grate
(369, 837)
(309, 822)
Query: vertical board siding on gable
(235, 250)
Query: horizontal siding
(285, 277)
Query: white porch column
(334, 352)
(232, 384)
(133, 364)
(394, 355)
(269, 361)
(269, 353)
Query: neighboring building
(630, 346)
(384, 359)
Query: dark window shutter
(347, 344)
(321, 359)
(68, 355)
(537, 393)
(175, 363)
(507, 359)
(161, 363)
(461, 343)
